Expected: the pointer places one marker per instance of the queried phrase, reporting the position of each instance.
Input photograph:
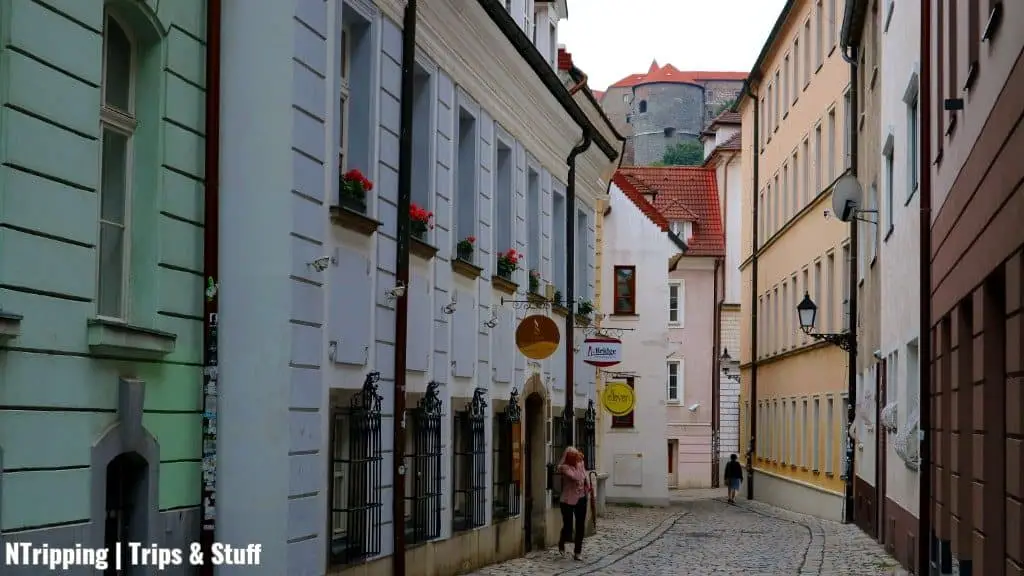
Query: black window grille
(586, 436)
(506, 445)
(424, 487)
(561, 438)
(356, 456)
(470, 464)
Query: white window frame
(677, 398)
(888, 169)
(793, 444)
(344, 96)
(816, 453)
(125, 123)
(680, 311)
(830, 433)
(911, 99)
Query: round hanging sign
(602, 351)
(537, 337)
(618, 398)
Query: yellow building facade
(795, 147)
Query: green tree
(724, 106)
(685, 153)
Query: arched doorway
(536, 482)
(127, 501)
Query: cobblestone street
(701, 534)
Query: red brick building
(974, 146)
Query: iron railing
(356, 455)
(560, 439)
(506, 484)
(470, 465)
(586, 436)
(423, 521)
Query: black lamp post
(807, 310)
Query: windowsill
(122, 339)
(465, 269)
(10, 326)
(624, 430)
(535, 299)
(911, 195)
(352, 220)
(674, 402)
(822, 64)
(874, 77)
(625, 316)
(951, 128)
(504, 284)
(830, 51)
(559, 309)
(420, 248)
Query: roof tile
(687, 193)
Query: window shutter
(351, 304)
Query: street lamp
(807, 311)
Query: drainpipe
(925, 529)
(402, 279)
(210, 263)
(570, 280)
(850, 54)
(755, 248)
(716, 379)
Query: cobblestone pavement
(700, 534)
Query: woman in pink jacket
(573, 502)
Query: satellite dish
(846, 197)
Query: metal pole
(924, 98)
(570, 292)
(210, 263)
(402, 279)
(851, 373)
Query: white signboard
(602, 351)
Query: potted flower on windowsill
(584, 308)
(534, 282)
(420, 222)
(508, 263)
(464, 249)
(354, 187)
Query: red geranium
(421, 215)
(354, 178)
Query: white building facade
(899, 223)
(308, 285)
(635, 251)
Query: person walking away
(573, 501)
(733, 477)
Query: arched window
(643, 106)
(117, 123)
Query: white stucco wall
(630, 238)
(730, 177)
(900, 262)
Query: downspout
(402, 279)
(211, 210)
(716, 380)
(925, 530)
(570, 280)
(850, 54)
(755, 248)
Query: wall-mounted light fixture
(493, 322)
(395, 293)
(449, 308)
(321, 264)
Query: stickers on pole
(537, 337)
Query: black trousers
(574, 524)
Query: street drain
(699, 535)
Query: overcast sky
(610, 39)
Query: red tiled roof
(564, 59)
(733, 144)
(686, 193)
(727, 117)
(630, 189)
(598, 94)
(669, 73)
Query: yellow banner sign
(618, 398)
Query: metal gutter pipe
(211, 230)
(570, 281)
(402, 279)
(925, 529)
(755, 247)
(851, 372)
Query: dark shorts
(734, 484)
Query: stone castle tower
(665, 106)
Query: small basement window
(643, 106)
(669, 132)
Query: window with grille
(586, 436)
(356, 476)
(423, 488)
(506, 501)
(469, 465)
